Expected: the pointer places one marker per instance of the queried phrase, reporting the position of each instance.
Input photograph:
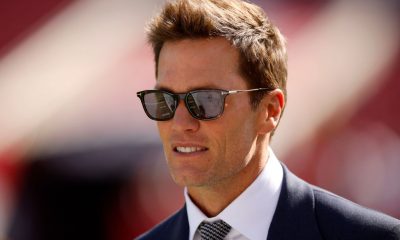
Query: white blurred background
(78, 155)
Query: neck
(214, 198)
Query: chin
(189, 181)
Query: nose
(183, 121)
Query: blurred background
(79, 158)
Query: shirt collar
(251, 212)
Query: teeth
(189, 149)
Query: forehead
(197, 63)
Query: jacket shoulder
(175, 226)
(339, 218)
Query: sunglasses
(161, 105)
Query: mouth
(189, 149)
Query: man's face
(221, 151)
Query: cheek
(240, 137)
(163, 131)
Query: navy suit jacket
(304, 212)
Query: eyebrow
(206, 87)
(163, 88)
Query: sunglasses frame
(184, 96)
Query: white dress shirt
(250, 214)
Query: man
(220, 92)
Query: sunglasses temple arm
(247, 90)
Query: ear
(271, 108)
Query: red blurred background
(79, 158)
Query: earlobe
(272, 106)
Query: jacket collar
(294, 217)
(179, 228)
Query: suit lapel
(180, 226)
(294, 217)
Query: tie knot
(214, 231)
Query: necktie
(214, 231)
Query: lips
(189, 149)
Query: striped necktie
(214, 231)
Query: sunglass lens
(205, 104)
(159, 105)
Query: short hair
(261, 46)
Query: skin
(234, 146)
